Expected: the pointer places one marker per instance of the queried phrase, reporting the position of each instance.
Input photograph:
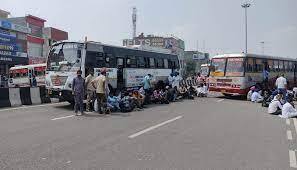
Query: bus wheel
(227, 94)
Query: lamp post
(245, 6)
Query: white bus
(21, 76)
(234, 74)
(126, 66)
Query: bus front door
(120, 73)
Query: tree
(190, 67)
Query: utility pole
(262, 46)
(245, 6)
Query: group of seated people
(278, 102)
(128, 101)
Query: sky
(214, 26)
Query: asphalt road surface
(205, 133)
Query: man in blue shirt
(147, 87)
(78, 90)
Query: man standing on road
(176, 80)
(99, 84)
(90, 91)
(147, 87)
(281, 84)
(78, 90)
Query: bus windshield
(235, 67)
(219, 67)
(64, 57)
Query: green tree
(190, 67)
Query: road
(205, 133)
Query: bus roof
(253, 56)
(27, 66)
(131, 48)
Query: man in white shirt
(281, 84)
(256, 97)
(275, 107)
(176, 80)
(288, 111)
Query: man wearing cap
(78, 90)
(99, 84)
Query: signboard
(8, 47)
(199, 56)
(5, 24)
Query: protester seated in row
(275, 107)
(113, 102)
(256, 97)
(288, 110)
(182, 92)
(139, 98)
(126, 103)
(202, 90)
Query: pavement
(205, 133)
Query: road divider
(13, 97)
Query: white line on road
(58, 118)
(288, 122)
(289, 134)
(154, 127)
(292, 156)
(220, 100)
(28, 107)
(295, 124)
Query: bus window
(291, 66)
(120, 62)
(275, 66)
(131, 62)
(249, 65)
(219, 66)
(140, 62)
(170, 64)
(270, 65)
(152, 63)
(258, 65)
(166, 63)
(235, 67)
(160, 63)
(286, 66)
(281, 66)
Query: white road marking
(292, 156)
(295, 124)
(289, 134)
(220, 100)
(154, 127)
(68, 162)
(288, 122)
(58, 118)
(28, 107)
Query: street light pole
(245, 6)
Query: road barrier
(12, 97)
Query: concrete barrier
(4, 97)
(35, 95)
(15, 97)
(12, 97)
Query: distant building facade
(31, 37)
(174, 44)
(198, 57)
(13, 43)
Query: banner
(4, 38)
(8, 47)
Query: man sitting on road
(288, 110)
(256, 97)
(275, 107)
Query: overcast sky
(217, 25)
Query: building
(35, 38)
(174, 44)
(52, 35)
(13, 43)
(198, 57)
